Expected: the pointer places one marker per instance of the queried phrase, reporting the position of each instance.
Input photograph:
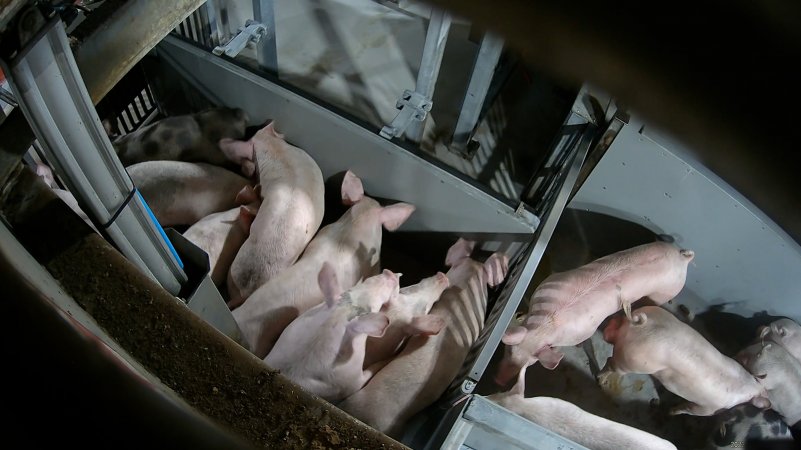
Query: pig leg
(369, 373)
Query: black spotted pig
(427, 365)
(221, 235)
(656, 342)
(193, 138)
(786, 333)
(352, 245)
(778, 372)
(323, 349)
(575, 424)
(408, 314)
(182, 193)
(749, 425)
(290, 214)
(568, 307)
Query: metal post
(217, 14)
(436, 37)
(480, 80)
(55, 101)
(266, 50)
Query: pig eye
(782, 332)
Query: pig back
(182, 193)
(656, 342)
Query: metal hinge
(253, 32)
(413, 106)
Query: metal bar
(131, 32)
(57, 106)
(266, 50)
(480, 80)
(542, 236)
(436, 37)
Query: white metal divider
(54, 99)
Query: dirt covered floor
(212, 374)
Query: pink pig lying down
(778, 372)
(657, 343)
(786, 333)
(181, 193)
(323, 349)
(408, 314)
(352, 245)
(575, 424)
(221, 235)
(568, 307)
(290, 213)
(427, 365)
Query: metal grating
(197, 28)
(130, 104)
(565, 163)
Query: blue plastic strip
(158, 227)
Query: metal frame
(481, 424)
(480, 80)
(56, 103)
(266, 50)
(436, 37)
(522, 271)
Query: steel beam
(266, 50)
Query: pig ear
(246, 195)
(352, 189)
(514, 335)
(427, 325)
(327, 278)
(246, 215)
(371, 324)
(459, 251)
(271, 129)
(549, 358)
(393, 216)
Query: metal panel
(444, 201)
(57, 106)
(522, 270)
(742, 258)
(485, 425)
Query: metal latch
(253, 32)
(412, 106)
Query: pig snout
(689, 254)
(442, 280)
(507, 372)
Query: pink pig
(575, 424)
(786, 333)
(182, 193)
(323, 349)
(352, 245)
(568, 307)
(408, 316)
(428, 364)
(656, 342)
(778, 372)
(221, 235)
(290, 213)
